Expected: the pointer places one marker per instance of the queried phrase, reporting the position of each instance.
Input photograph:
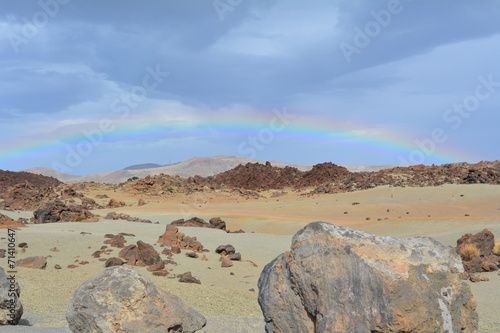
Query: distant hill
(143, 166)
(202, 166)
(11, 178)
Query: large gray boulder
(120, 300)
(337, 279)
(11, 308)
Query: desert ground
(227, 297)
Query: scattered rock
(141, 202)
(57, 211)
(37, 262)
(130, 254)
(175, 239)
(147, 253)
(157, 267)
(234, 256)
(11, 308)
(116, 241)
(160, 273)
(225, 262)
(337, 279)
(225, 249)
(114, 261)
(188, 278)
(192, 255)
(125, 217)
(57, 266)
(113, 203)
(23, 245)
(217, 223)
(120, 300)
(72, 266)
(2, 253)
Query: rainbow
(386, 144)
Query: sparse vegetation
(469, 251)
(80, 218)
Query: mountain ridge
(202, 166)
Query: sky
(92, 86)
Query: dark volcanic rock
(8, 179)
(114, 261)
(217, 223)
(147, 253)
(130, 254)
(484, 241)
(337, 279)
(116, 241)
(57, 211)
(26, 196)
(225, 249)
(120, 300)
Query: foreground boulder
(120, 300)
(336, 279)
(11, 308)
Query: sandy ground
(229, 301)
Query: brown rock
(474, 278)
(37, 262)
(114, 261)
(113, 203)
(72, 266)
(130, 254)
(225, 262)
(156, 267)
(204, 258)
(173, 238)
(217, 223)
(57, 266)
(484, 241)
(188, 278)
(116, 241)
(54, 249)
(147, 253)
(161, 273)
(191, 255)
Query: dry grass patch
(469, 251)
(496, 248)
